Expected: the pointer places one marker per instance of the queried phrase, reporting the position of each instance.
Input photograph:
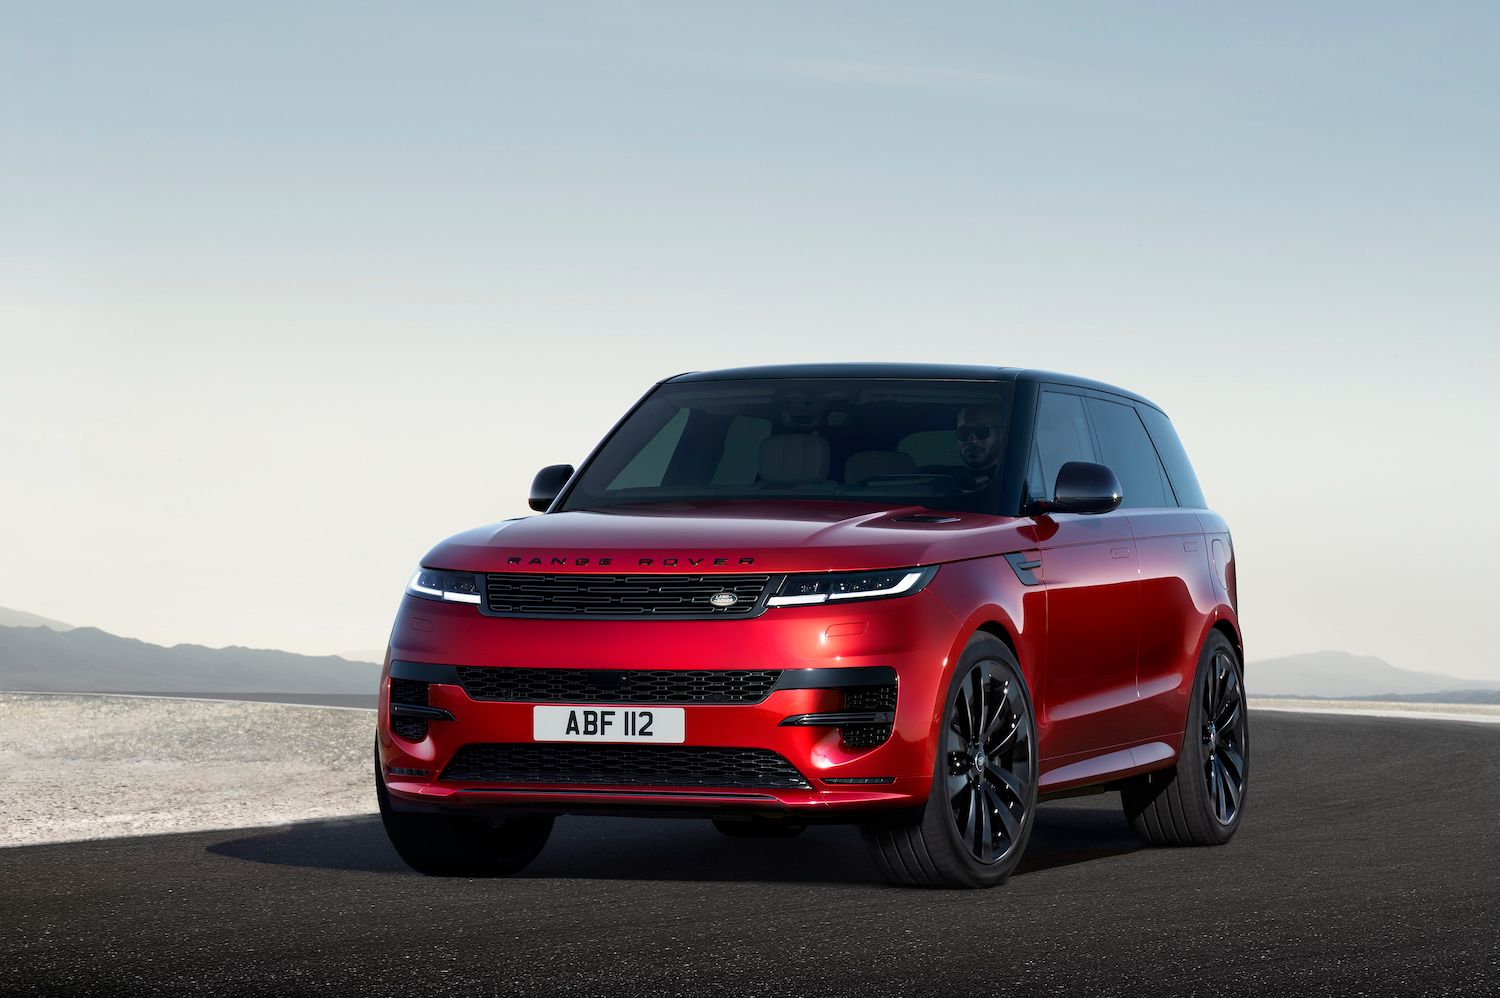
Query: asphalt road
(1367, 864)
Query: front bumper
(818, 650)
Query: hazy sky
(289, 293)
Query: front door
(1089, 567)
(1176, 583)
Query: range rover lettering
(914, 598)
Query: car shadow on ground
(679, 849)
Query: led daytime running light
(907, 581)
(415, 587)
(910, 581)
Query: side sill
(1102, 768)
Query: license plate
(608, 724)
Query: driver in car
(979, 439)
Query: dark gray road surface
(1368, 864)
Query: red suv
(914, 598)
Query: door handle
(1119, 552)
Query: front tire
(1200, 801)
(457, 845)
(978, 817)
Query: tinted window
(741, 450)
(931, 447)
(1179, 469)
(649, 466)
(1062, 435)
(1125, 447)
(939, 444)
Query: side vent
(408, 693)
(879, 701)
(866, 720)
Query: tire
(442, 845)
(977, 820)
(758, 828)
(1201, 800)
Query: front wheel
(1201, 800)
(978, 817)
(458, 845)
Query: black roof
(933, 372)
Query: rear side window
(1179, 469)
(1062, 435)
(1126, 448)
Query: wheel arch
(999, 630)
(993, 621)
(1227, 627)
(985, 597)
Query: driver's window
(1062, 435)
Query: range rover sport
(914, 598)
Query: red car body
(1108, 641)
(1107, 616)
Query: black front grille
(699, 686)
(411, 691)
(677, 596)
(624, 765)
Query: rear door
(1088, 700)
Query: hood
(731, 536)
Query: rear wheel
(1201, 800)
(758, 828)
(444, 845)
(978, 817)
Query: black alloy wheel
(991, 761)
(1200, 801)
(1224, 736)
(974, 828)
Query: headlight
(454, 587)
(800, 590)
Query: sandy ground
(96, 766)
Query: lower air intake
(624, 765)
(864, 736)
(409, 691)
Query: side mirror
(547, 484)
(1085, 488)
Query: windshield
(939, 444)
